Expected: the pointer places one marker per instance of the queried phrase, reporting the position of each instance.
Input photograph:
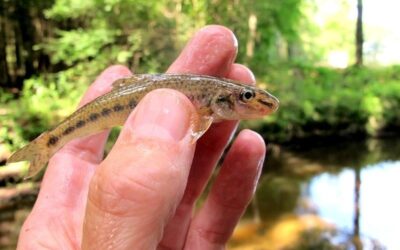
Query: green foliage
(147, 35)
(44, 102)
(275, 19)
(144, 35)
(67, 50)
(326, 102)
(135, 33)
(327, 27)
(69, 9)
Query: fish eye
(247, 95)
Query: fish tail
(35, 152)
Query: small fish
(214, 98)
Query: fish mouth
(272, 103)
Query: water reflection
(327, 196)
(379, 203)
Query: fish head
(245, 102)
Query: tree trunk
(28, 36)
(251, 38)
(359, 34)
(356, 220)
(4, 74)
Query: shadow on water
(328, 195)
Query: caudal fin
(35, 152)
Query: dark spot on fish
(118, 108)
(132, 104)
(105, 112)
(80, 124)
(68, 130)
(226, 100)
(52, 141)
(223, 98)
(270, 105)
(93, 117)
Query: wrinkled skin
(143, 194)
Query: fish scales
(214, 98)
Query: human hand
(143, 194)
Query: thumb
(137, 187)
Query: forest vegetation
(51, 50)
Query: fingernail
(260, 166)
(251, 74)
(235, 41)
(163, 114)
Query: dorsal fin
(129, 80)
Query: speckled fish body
(214, 98)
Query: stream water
(333, 195)
(324, 195)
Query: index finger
(211, 52)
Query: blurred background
(330, 177)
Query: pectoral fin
(201, 126)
